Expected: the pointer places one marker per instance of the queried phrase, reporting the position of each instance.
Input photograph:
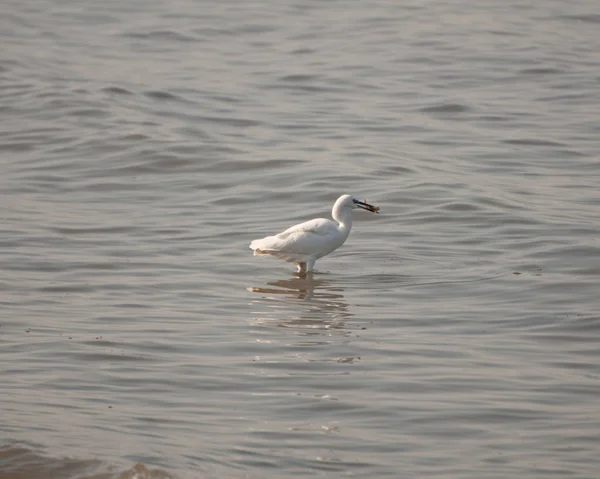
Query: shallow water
(144, 145)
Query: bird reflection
(310, 304)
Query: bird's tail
(255, 245)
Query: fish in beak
(366, 206)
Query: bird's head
(351, 203)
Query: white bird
(306, 242)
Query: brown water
(145, 144)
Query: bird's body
(306, 242)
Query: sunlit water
(145, 144)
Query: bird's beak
(366, 206)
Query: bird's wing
(318, 226)
(307, 239)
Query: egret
(304, 243)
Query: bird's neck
(344, 219)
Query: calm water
(145, 144)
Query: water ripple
(145, 146)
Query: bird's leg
(310, 264)
(301, 268)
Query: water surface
(144, 145)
